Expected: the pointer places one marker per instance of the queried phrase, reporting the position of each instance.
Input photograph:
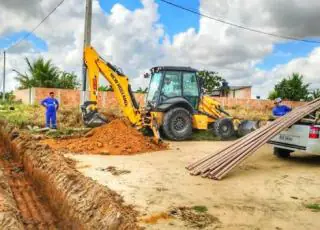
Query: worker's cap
(278, 100)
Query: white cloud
(131, 39)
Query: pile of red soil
(114, 138)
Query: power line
(239, 26)
(35, 28)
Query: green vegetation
(65, 132)
(204, 135)
(105, 88)
(291, 88)
(212, 81)
(200, 208)
(18, 114)
(22, 116)
(41, 73)
(314, 207)
(9, 97)
(314, 94)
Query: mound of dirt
(114, 138)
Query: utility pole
(87, 41)
(4, 77)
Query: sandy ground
(264, 193)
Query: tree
(315, 94)
(273, 95)
(41, 73)
(105, 88)
(67, 81)
(211, 81)
(140, 90)
(291, 88)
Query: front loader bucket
(247, 127)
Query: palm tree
(41, 73)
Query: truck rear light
(314, 132)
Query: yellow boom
(122, 90)
(118, 81)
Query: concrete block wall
(244, 93)
(25, 95)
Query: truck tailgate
(295, 137)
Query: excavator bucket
(92, 118)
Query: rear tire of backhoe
(223, 128)
(177, 124)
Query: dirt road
(264, 193)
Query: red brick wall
(71, 98)
(253, 103)
(66, 97)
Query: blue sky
(10, 39)
(282, 52)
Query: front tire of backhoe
(223, 128)
(177, 124)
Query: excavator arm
(119, 83)
(122, 91)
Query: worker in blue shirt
(52, 105)
(279, 109)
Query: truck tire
(282, 153)
(177, 124)
(223, 128)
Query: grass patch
(21, 116)
(204, 135)
(200, 208)
(314, 207)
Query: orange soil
(114, 138)
(155, 218)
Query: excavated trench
(40, 189)
(35, 212)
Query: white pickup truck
(299, 137)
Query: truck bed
(296, 138)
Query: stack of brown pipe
(218, 165)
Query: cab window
(154, 86)
(171, 85)
(190, 88)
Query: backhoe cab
(174, 103)
(176, 94)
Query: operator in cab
(168, 88)
(279, 109)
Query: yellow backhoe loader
(174, 104)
